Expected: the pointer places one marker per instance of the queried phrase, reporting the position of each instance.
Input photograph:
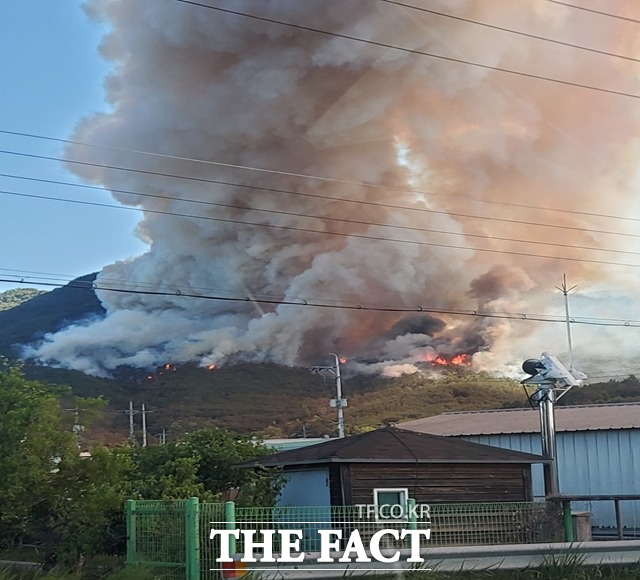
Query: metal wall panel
(589, 462)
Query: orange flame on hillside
(461, 359)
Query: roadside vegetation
(71, 506)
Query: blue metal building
(598, 449)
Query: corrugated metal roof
(393, 445)
(496, 421)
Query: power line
(411, 50)
(448, 196)
(511, 30)
(309, 216)
(180, 292)
(324, 232)
(594, 11)
(304, 194)
(33, 277)
(356, 307)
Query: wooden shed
(389, 465)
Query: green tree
(32, 445)
(48, 492)
(203, 465)
(82, 515)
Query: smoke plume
(191, 83)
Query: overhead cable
(585, 9)
(510, 30)
(365, 184)
(245, 208)
(412, 50)
(338, 306)
(271, 189)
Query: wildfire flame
(461, 359)
(211, 367)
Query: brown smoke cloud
(201, 84)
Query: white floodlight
(549, 370)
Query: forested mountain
(268, 400)
(16, 296)
(261, 399)
(47, 312)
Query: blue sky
(52, 76)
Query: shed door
(305, 488)
(309, 490)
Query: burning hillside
(296, 168)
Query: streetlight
(553, 380)
(338, 403)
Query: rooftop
(285, 444)
(497, 421)
(393, 445)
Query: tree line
(72, 505)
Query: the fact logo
(335, 544)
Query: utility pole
(77, 428)
(338, 403)
(131, 412)
(144, 426)
(566, 291)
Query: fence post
(568, 521)
(413, 519)
(230, 523)
(130, 508)
(192, 538)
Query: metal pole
(339, 397)
(131, 434)
(619, 525)
(230, 523)
(192, 538)
(413, 519)
(132, 552)
(548, 432)
(144, 426)
(566, 291)
(567, 520)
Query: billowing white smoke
(202, 84)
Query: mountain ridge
(267, 400)
(46, 313)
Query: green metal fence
(174, 537)
(475, 524)
(212, 515)
(163, 536)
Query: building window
(391, 503)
